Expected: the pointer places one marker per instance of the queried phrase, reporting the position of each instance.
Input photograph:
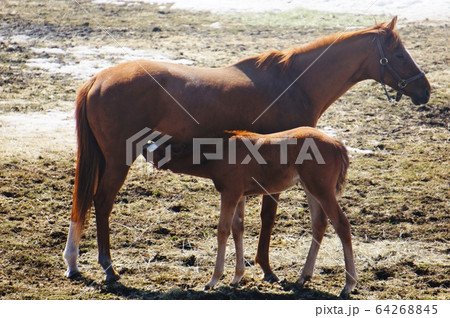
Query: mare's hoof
(297, 287)
(73, 274)
(272, 278)
(207, 287)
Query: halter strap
(401, 83)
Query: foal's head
(391, 63)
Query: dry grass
(164, 225)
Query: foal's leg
(268, 212)
(342, 227)
(237, 229)
(109, 185)
(319, 224)
(227, 208)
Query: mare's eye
(400, 56)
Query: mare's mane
(285, 58)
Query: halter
(401, 83)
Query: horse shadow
(220, 293)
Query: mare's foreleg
(268, 213)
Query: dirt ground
(164, 225)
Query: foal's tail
(89, 160)
(345, 163)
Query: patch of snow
(30, 123)
(32, 134)
(216, 25)
(48, 50)
(330, 131)
(92, 59)
(20, 38)
(123, 54)
(357, 150)
(416, 10)
(117, 3)
(82, 70)
(412, 10)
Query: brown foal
(252, 164)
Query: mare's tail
(90, 160)
(345, 162)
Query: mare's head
(391, 63)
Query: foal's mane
(285, 58)
(240, 133)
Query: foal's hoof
(112, 278)
(272, 278)
(207, 287)
(344, 295)
(300, 283)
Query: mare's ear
(388, 31)
(391, 25)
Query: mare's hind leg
(72, 247)
(268, 213)
(228, 205)
(237, 228)
(319, 224)
(109, 184)
(340, 223)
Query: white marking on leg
(72, 248)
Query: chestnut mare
(282, 160)
(266, 93)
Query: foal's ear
(391, 25)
